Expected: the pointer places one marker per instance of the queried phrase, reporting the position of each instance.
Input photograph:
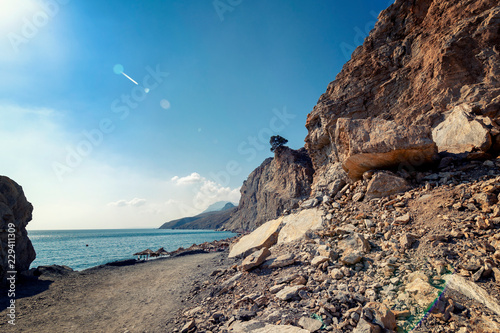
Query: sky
(130, 113)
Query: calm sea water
(69, 247)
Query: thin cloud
(193, 178)
(136, 202)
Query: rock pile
(426, 259)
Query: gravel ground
(138, 298)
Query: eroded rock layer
(278, 184)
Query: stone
(355, 242)
(326, 251)
(496, 274)
(288, 293)
(318, 260)
(382, 315)
(351, 257)
(255, 259)
(16, 211)
(365, 326)
(264, 236)
(462, 132)
(403, 219)
(277, 288)
(255, 326)
(407, 240)
(245, 315)
(301, 280)
(477, 276)
(384, 184)
(473, 291)
(358, 197)
(336, 274)
(421, 290)
(374, 143)
(309, 203)
(485, 199)
(280, 261)
(229, 283)
(188, 327)
(296, 226)
(310, 324)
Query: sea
(82, 249)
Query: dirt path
(138, 298)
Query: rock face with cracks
(422, 59)
(15, 213)
(277, 185)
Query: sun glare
(13, 12)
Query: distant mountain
(218, 206)
(206, 220)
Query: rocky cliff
(423, 59)
(277, 185)
(15, 213)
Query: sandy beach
(137, 298)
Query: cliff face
(424, 58)
(275, 186)
(16, 210)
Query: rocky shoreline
(424, 260)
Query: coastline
(111, 298)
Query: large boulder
(384, 184)
(462, 131)
(264, 236)
(296, 226)
(374, 143)
(472, 291)
(15, 213)
(255, 259)
(420, 290)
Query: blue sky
(215, 79)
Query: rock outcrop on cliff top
(276, 186)
(422, 60)
(16, 210)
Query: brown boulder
(384, 184)
(15, 213)
(462, 132)
(255, 259)
(373, 143)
